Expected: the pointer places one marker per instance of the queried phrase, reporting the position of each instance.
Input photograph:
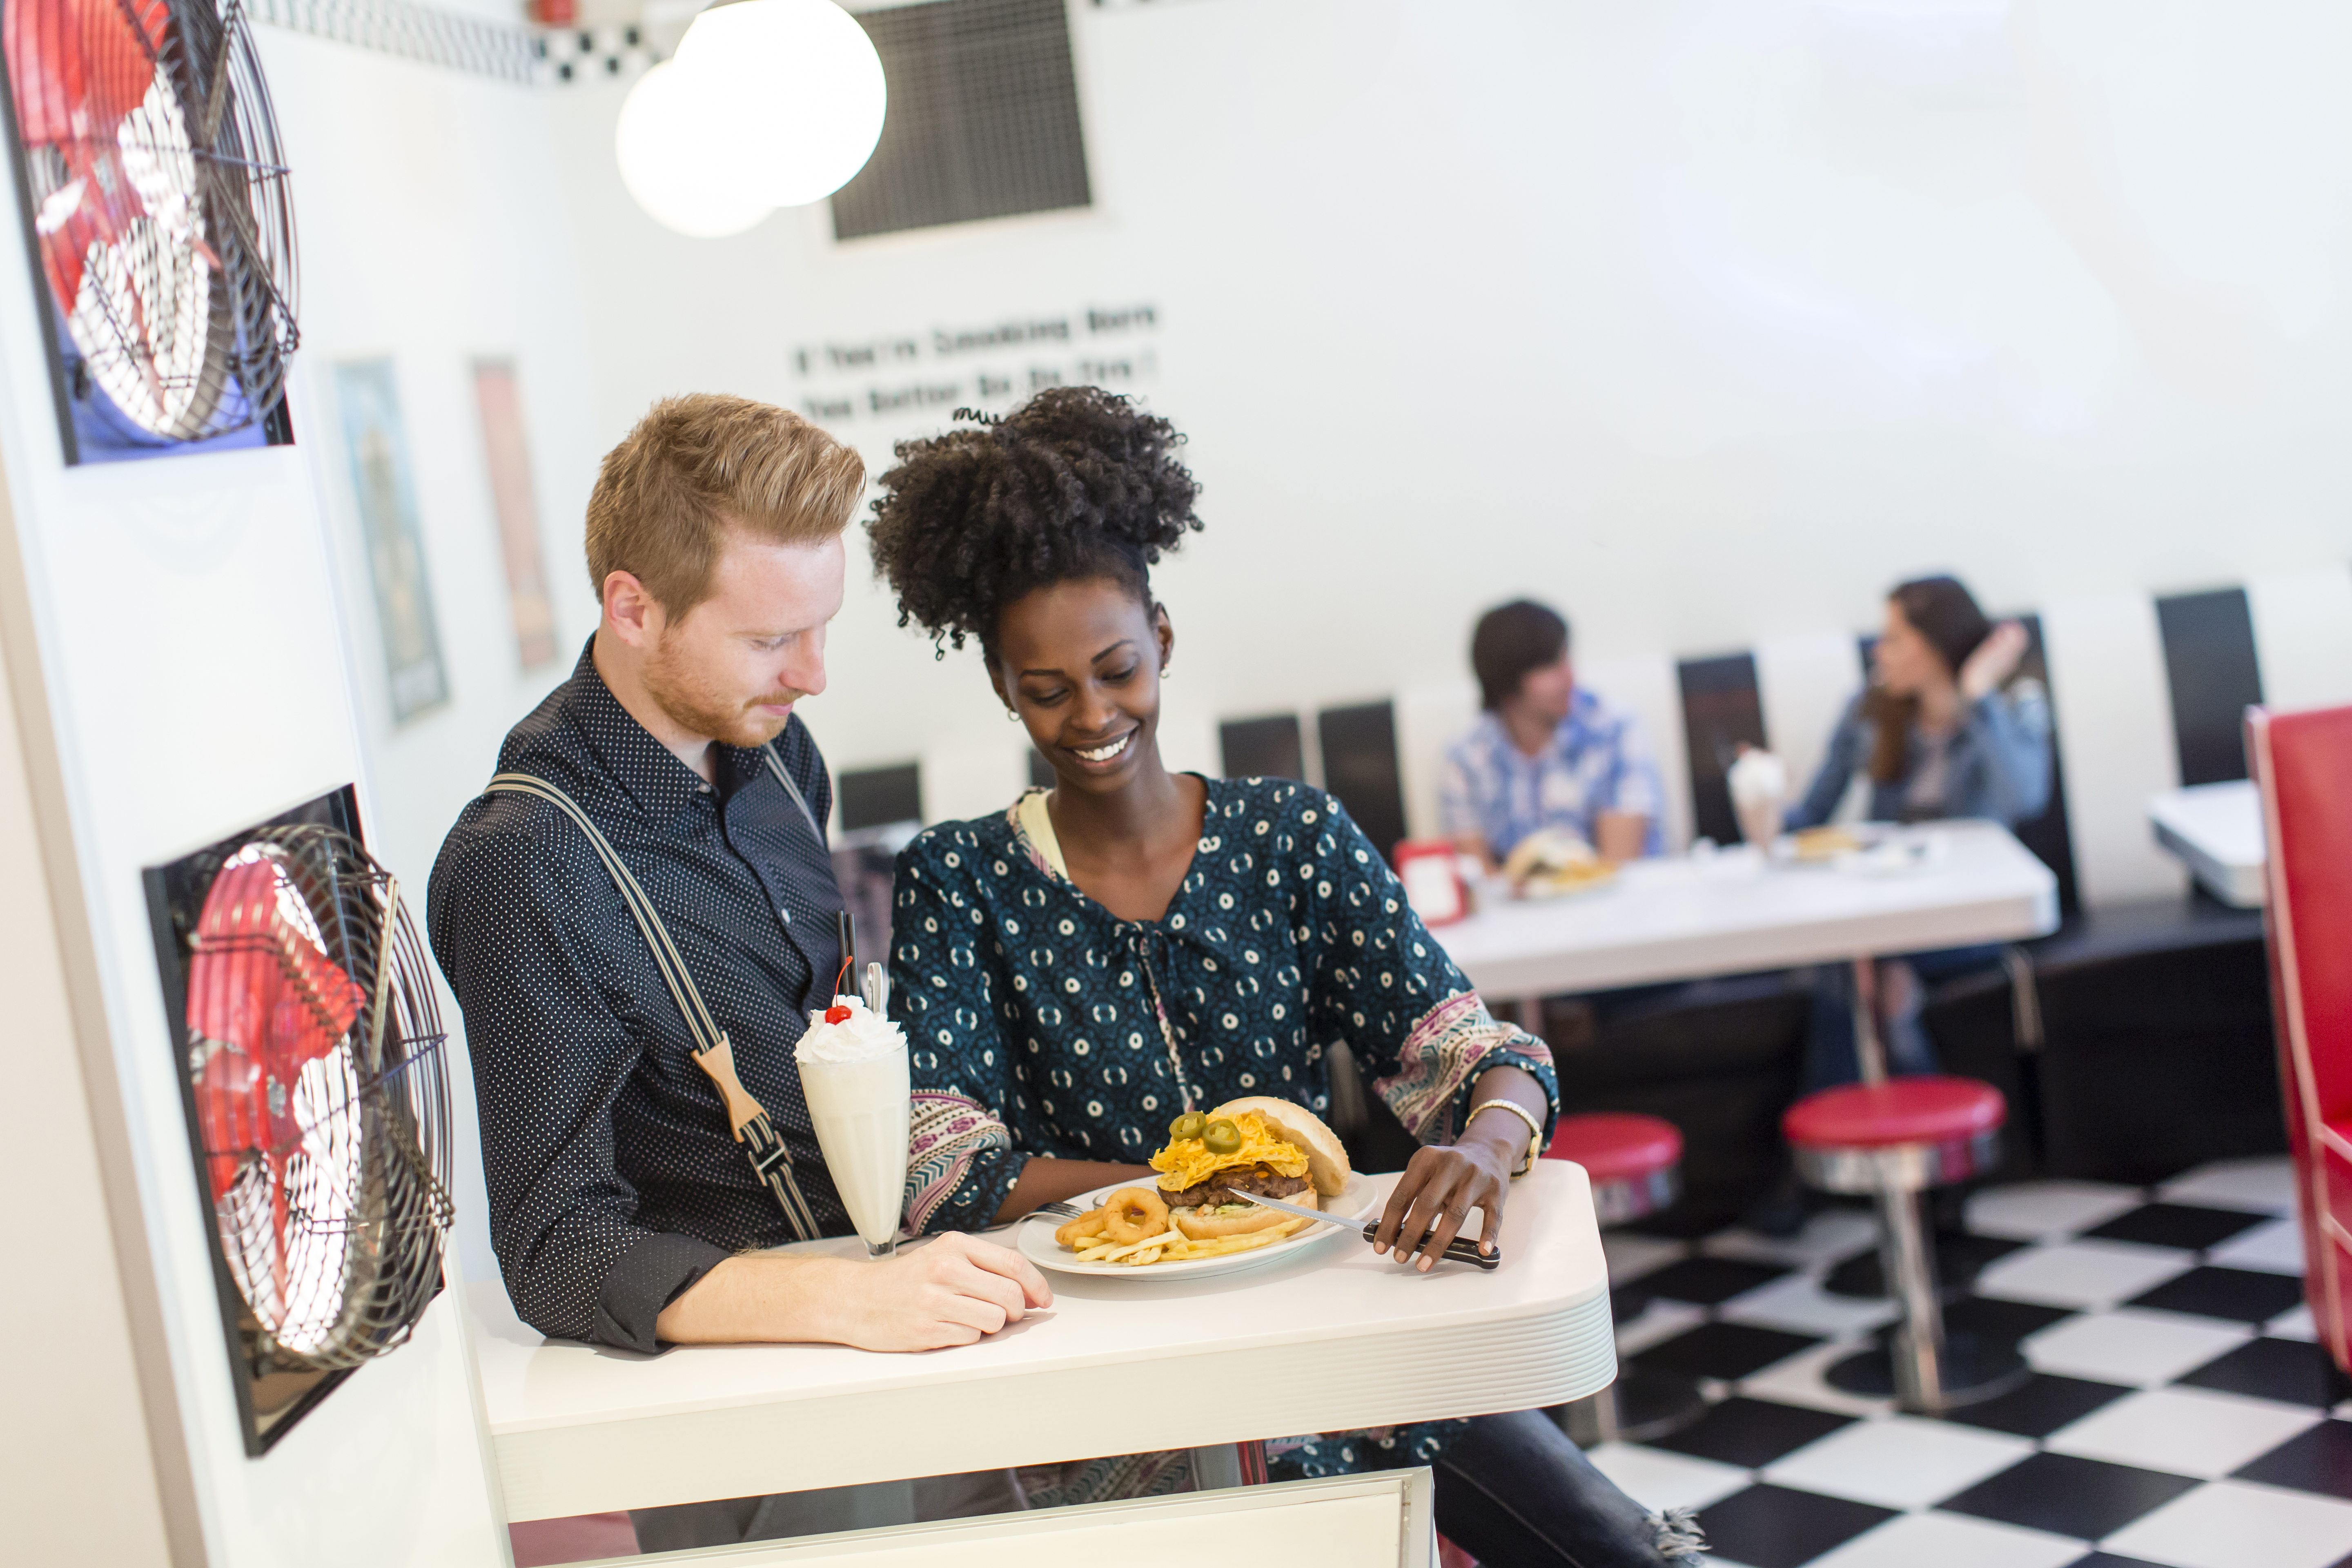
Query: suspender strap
(712, 1052)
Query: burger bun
(1207, 1225)
(1327, 1158)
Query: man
(1547, 752)
(622, 1206)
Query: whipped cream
(1758, 778)
(864, 1036)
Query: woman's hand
(1995, 661)
(1444, 1183)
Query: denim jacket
(1998, 763)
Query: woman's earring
(1014, 714)
(1163, 672)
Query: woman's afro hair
(1075, 483)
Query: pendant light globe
(683, 155)
(805, 78)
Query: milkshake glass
(853, 1066)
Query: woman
(1081, 968)
(1943, 731)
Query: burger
(1258, 1145)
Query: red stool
(1892, 1140)
(1634, 1164)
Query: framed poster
(156, 215)
(507, 451)
(375, 444)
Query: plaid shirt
(1598, 761)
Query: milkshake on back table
(853, 1066)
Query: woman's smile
(1107, 753)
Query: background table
(1733, 913)
(1330, 1339)
(2216, 830)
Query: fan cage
(366, 1195)
(166, 231)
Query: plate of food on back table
(1191, 1220)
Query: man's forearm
(1045, 1180)
(752, 1299)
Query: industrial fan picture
(317, 1103)
(156, 196)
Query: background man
(1547, 752)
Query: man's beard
(700, 708)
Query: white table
(1330, 1340)
(2216, 830)
(1735, 911)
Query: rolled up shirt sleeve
(551, 1055)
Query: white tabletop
(2216, 829)
(1330, 1340)
(1733, 913)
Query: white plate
(1036, 1241)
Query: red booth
(2303, 765)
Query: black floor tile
(1995, 1321)
(2067, 1496)
(1750, 1433)
(1726, 1351)
(1960, 1258)
(1780, 1527)
(1705, 1281)
(2241, 1295)
(2289, 1371)
(2319, 1460)
(2189, 1226)
(2045, 1403)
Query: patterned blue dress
(1041, 1024)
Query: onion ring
(1132, 1214)
(1080, 1230)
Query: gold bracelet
(1535, 1128)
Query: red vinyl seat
(1900, 1110)
(2301, 764)
(1613, 1145)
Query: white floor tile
(1663, 1321)
(2043, 1211)
(1798, 1381)
(2130, 1346)
(1658, 1479)
(1830, 1236)
(2266, 1181)
(1631, 1255)
(2275, 1248)
(2081, 1273)
(2235, 1524)
(2188, 1431)
(1951, 1541)
(2294, 1325)
(1902, 1462)
(1798, 1303)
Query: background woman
(1077, 969)
(1944, 730)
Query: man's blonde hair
(695, 467)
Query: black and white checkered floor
(2178, 1414)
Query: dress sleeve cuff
(1528, 1053)
(981, 1191)
(655, 1270)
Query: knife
(1460, 1250)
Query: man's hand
(950, 1291)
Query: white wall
(1707, 321)
(178, 625)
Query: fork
(1060, 1211)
